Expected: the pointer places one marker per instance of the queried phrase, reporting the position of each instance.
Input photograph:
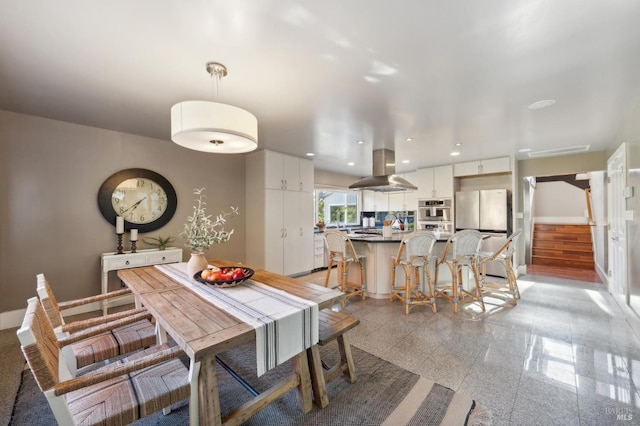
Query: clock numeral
(141, 219)
(141, 183)
(122, 210)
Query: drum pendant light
(213, 126)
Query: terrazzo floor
(565, 355)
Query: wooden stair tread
(564, 228)
(563, 245)
(556, 236)
(564, 254)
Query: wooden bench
(333, 325)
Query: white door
(617, 225)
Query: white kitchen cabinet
(298, 232)
(381, 201)
(287, 172)
(318, 251)
(396, 201)
(434, 182)
(279, 235)
(483, 167)
(368, 201)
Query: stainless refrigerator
(488, 211)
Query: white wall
(559, 202)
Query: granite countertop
(394, 238)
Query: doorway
(564, 236)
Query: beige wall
(50, 173)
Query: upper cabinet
(434, 182)
(287, 172)
(483, 167)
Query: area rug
(383, 394)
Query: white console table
(114, 262)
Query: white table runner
(285, 324)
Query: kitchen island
(379, 250)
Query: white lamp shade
(194, 124)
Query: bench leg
(317, 377)
(346, 358)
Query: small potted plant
(320, 225)
(201, 232)
(159, 242)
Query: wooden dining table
(203, 330)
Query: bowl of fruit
(224, 276)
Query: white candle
(134, 235)
(119, 225)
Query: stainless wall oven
(434, 210)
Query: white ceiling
(321, 75)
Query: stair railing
(587, 193)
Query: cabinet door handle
(285, 232)
(126, 263)
(286, 184)
(300, 186)
(301, 231)
(164, 258)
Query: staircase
(563, 245)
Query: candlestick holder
(133, 246)
(120, 244)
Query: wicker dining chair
(135, 330)
(460, 252)
(504, 256)
(116, 394)
(343, 254)
(414, 255)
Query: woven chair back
(419, 244)
(39, 345)
(513, 243)
(338, 243)
(466, 243)
(49, 302)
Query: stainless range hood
(384, 179)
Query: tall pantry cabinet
(279, 204)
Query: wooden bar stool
(461, 252)
(414, 255)
(504, 256)
(333, 325)
(342, 253)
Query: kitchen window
(335, 207)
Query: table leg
(303, 393)
(207, 392)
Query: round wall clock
(145, 199)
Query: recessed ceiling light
(360, 142)
(524, 150)
(310, 154)
(542, 104)
(458, 144)
(408, 139)
(406, 161)
(351, 163)
(454, 154)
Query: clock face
(139, 200)
(145, 199)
